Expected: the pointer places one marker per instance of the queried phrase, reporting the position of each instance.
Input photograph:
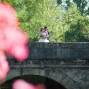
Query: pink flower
(4, 67)
(21, 84)
(12, 40)
(40, 86)
(8, 17)
(16, 44)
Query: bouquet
(41, 35)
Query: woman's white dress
(44, 40)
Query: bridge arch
(66, 63)
(35, 80)
(56, 75)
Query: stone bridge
(66, 63)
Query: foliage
(81, 5)
(78, 31)
(77, 26)
(47, 15)
(68, 22)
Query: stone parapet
(61, 50)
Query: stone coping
(59, 45)
(66, 51)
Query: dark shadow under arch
(34, 79)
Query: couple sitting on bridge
(44, 35)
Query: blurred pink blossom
(16, 44)
(40, 86)
(8, 17)
(21, 84)
(12, 40)
(4, 67)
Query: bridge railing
(64, 50)
(65, 53)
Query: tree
(45, 15)
(81, 4)
(59, 1)
(78, 29)
(64, 22)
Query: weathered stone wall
(66, 63)
(70, 50)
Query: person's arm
(47, 35)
